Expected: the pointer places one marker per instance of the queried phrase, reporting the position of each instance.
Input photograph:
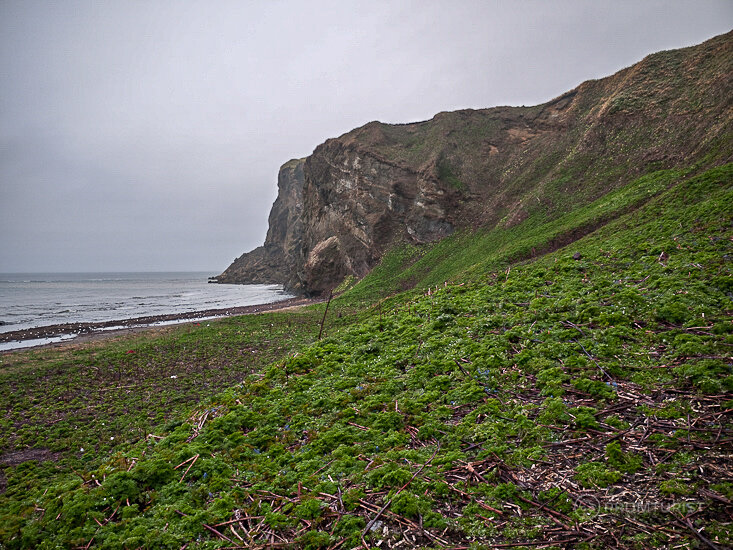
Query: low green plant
(625, 462)
(452, 407)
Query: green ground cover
(521, 393)
(94, 396)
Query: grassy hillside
(93, 395)
(508, 164)
(511, 173)
(470, 254)
(498, 389)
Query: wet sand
(81, 332)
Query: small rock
(577, 256)
(376, 526)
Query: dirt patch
(18, 457)
(521, 134)
(408, 283)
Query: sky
(147, 136)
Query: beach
(80, 332)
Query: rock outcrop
(357, 205)
(280, 259)
(339, 210)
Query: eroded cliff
(340, 209)
(280, 259)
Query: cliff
(280, 259)
(341, 208)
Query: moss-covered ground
(528, 390)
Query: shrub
(309, 508)
(585, 417)
(120, 486)
(409, 505)
(315, 539)
(673, 312)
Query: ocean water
(30, 300)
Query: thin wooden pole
(330, 295)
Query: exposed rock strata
(356, 205)
(340, 209)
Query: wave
(83, 301)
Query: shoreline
(68, 333)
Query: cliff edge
(279, 260)
(339, 210)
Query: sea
(29, 300)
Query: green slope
(470, 254)
(554, 400)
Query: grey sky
(147, 135)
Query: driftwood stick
(189, 467)
(688, 524)
(231, 527)
(185, 462)
(218, 534)
(594, 360)
(330, 295)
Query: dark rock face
(366, 204)
(326, 266)
(342, 208)
(280, 259)
(336, 213)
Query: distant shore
(75, 332)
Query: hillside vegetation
(563, 382)
(530, 347)
(341, 209)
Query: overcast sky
(147, 136)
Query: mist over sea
(29, 300)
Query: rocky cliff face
(357, 204)
(340, 209)
(280, 259)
